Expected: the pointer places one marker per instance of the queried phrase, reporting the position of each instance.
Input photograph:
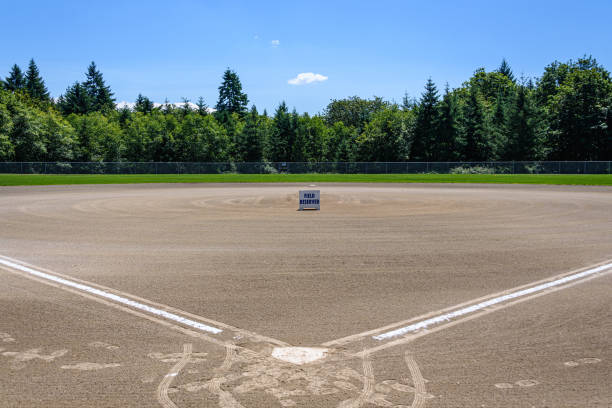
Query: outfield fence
(518, 167)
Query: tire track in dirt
(368, 385)
(162, 389)
(226, 399)
(418, 381)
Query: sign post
(310, 200)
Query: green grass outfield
(39, 179)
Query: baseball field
(438, 292)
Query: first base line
(111, 296)
(424, 324)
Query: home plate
(299, 355)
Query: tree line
(565, 114)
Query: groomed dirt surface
(242, 255)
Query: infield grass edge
(550, 179)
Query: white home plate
(299, 355)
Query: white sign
(310, 199)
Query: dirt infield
(242, 259)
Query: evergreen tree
(425, 132)
(446, 143)
(505, 70)
(250, 143)
(231, 97)
(477, 144)
(499, 124)
(143, 104)
(579, 109)
(167, 107)
(75, 100)
(282, 134)
(202, 106)
(99, 93)
(34, 84)
(15, 81)
(524, 129)
(408, 103)
(185, 107)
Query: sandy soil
(243, 255)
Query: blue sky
(176, 49)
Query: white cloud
(275, 43)
(307, 78)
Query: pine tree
(34, 84)
(279, 143)
(75, 100)
(499, 124)
(250, 144)
(445, 146)
(524, 128)
(100, 94)
(143, 104)
(185, 107)
(426, 123)
(15, 81)
(202, 107)
(477, 145)
(505, 69)
(231, 97)
(408, 103)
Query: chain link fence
(522, 167)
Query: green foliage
(76, 100)
(201, 138)
(15, 81)
(231, 97)
(477, 145)
(448, 130)
(7, 151)
(353, 111)
(143, 104)
(93, 95)
(579, 112)
(97, 138)
(426, 127)
(386, 137)
(524, 128)
(341, 143)
(100, 94)
(566, 114)
(505, 70)
(249, 145)
(34, 84)
(282, 135)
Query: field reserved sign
(310, 200)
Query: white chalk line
(111, 296)
(444, 318)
